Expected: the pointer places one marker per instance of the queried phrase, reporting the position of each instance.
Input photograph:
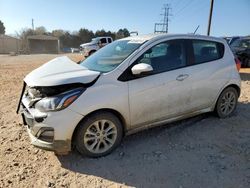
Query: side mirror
(141, 68)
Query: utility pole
(32, 24)
(164, 25)
(210, 16)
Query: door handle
(182, 77)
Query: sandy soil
(203, 151)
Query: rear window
(205, 51)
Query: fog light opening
(46, 135)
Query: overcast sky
(231, 17)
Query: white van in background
(89, 48)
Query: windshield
(95, 40)
(109, 57)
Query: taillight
(238, 63)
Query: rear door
(208, 72)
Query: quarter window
(205, 51)
(165, 56)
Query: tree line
(2, 28)
(72, 39)
(67, 38)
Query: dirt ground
(203, 151)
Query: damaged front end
(42, 111)
(53, 98)
(45, 101)
(40, 100)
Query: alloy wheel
(228, 103)
(100, 136)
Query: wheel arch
(91, 51)
(235, 86)
(114, 112)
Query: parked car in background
(88, 49)
(227, 39)
(75, 50)
(70, 50)
(241, 48)
(232, 39)
(66, 50)
(130, 85)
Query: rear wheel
(99, 134)
(227, 102)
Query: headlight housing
(58, 102)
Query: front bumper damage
(61, 147)
(43, 135)
(50, 131)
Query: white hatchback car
(129, 85)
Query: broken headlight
(58, 102)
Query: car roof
(102, 37)
(158, 36)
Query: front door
(165, 93)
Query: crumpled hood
(59, 71)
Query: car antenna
(196, 29)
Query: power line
(193, 10)
(185, 6)
(176, 5)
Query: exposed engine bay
(48, 91)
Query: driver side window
(103, 41)
(165, 56)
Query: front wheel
(98, 135)
(227, 102)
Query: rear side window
(205, 51)
(103, 40)
(109, 40)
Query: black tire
(89, 123)
(230, 102)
